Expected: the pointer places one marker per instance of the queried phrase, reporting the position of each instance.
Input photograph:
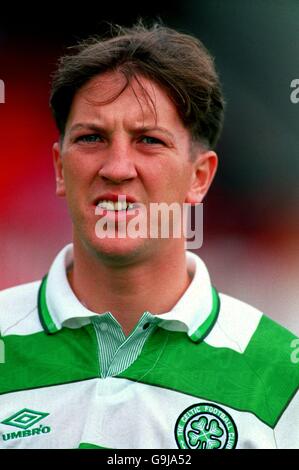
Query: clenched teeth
(115, 206)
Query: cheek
(75, 173)
(169, 187)
(75, 189)
(177, 181)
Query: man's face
(124, 148)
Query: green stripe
(269, 353)
(208, 324)
(40, 360)
(43, 311)
(252, 381)
(86, 445)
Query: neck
(155, 284)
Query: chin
(120, 251)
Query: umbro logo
(25, 419)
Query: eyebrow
(89, 126)
(143, 129)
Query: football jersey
(211, 373)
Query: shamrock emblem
(205, 433)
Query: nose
(118, 165)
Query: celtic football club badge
(205, 426)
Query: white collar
(194, 313)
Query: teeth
(106, 205)
(115, 206)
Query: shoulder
(266, 347)
(17, 304)
(240, 325)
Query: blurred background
(251, 223)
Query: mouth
(110, 202)
(116, 206)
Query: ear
(58, 166)
(204, 169)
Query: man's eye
(89, 138)
(146, 139)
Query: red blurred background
(251, 213)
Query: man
(125, 343)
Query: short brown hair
(176, 61)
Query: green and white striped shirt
(211, 373)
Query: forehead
(108, 96)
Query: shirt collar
(195, 313)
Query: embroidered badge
(205, 426)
